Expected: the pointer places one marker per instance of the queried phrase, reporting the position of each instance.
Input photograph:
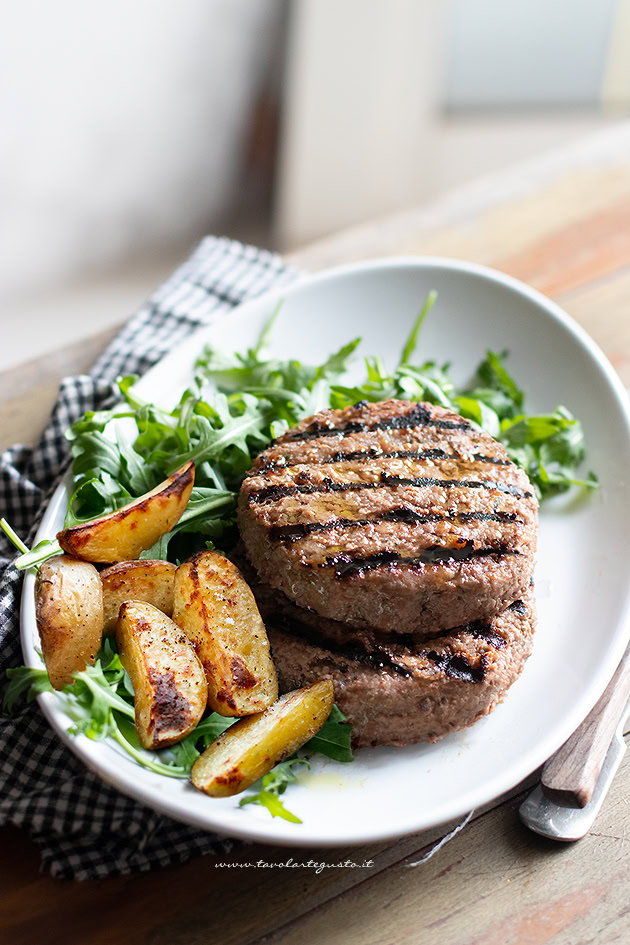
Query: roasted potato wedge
(69, 611)
(151, 581)
(124, 534)
(250, 748)
(168, 679)
(215, 607)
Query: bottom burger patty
(395, 694)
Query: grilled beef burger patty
(395, 694)
(394, 516)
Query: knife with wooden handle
(570, 776)
(576, 779)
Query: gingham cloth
(84, 828)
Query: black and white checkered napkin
(84, 828)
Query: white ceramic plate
(582, 573)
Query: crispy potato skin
(168, 679)
(250, 748)
(151, 581)
(69, 612)
(215, 607)
(124, 534)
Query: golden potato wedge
(151, 581)
(215, 607)
(250, 748)
(69, 612)
(125, 533)
(168, 679)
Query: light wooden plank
(496, 883)
(603, 309)
(577, 254)
(498, 215)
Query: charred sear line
(457, 483)
(418, 417)
(479, 629)
(518, 607)
(291, 533)
(483, 631)
(506, 517)
(370, 453)
(346, 564)
(273, 493)
(457, 666)
(378, 658)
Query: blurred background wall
(129, 129)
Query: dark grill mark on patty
(377, 659)
(483, 631)
(519, 607)
(458, 667)
(273, 493)
(346, 564)
(479, 629)
(460, 483)
(419, 416)
(454, 665)
(367, 454)
(291, 533)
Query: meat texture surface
(395, 690)
(392, 516)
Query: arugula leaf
(337, 362)
(534, 430)
(41, 552)
(13, 536)
(209, 440)
(478, 411)
(497, 400)
(25, 684)
(206, 513)
(124, 734)
(333, 738)
(265, 334)
(493, 374)
(274, 784)
(272, 802)
(29, 559)
(412, 340)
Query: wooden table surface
(561, 223)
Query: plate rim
(263, 831)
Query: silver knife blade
(558, 822)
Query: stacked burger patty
(392, 548)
